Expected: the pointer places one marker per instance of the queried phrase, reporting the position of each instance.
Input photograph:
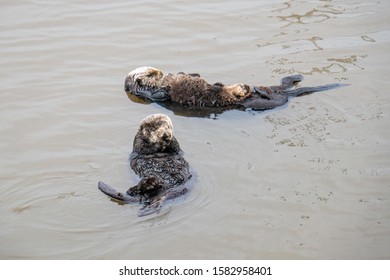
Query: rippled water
(310, 180)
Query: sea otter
(191, 90)
(158, 160)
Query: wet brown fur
(194, 91)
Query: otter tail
(113, 193)
(151, 206)
(308, 90)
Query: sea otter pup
(158, 160)
(193, 91)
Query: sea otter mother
(158, 160)
(191, 90)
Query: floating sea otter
(158, 160)
(192, 91)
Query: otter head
(146, 82)
(157, 130)
(143, 76)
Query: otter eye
(138, 81)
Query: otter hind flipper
(308, 90)
(152, 206)
(113, 193)
(260, 102)
(148, 209)
(290, 81)
(157, 202)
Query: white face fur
(157, 127)
(146, 74)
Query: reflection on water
(297, 18)
(308, 180)
(353, 59)
(318, 14)
(179, 110)
(311, 125)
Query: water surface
(309, 180)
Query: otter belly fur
(191, 90)
(158, 160)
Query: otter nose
(166, 136)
